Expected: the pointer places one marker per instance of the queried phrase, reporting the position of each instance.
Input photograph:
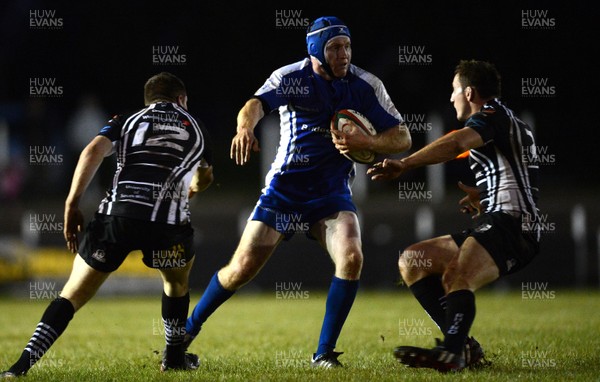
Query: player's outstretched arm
(441, 150)
(89, 161)
(445, 148)
(245, 140)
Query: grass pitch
(260, 337)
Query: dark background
(104, 50)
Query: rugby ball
(348, 121)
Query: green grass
(256, 337)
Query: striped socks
(53, 323)
(174, 314)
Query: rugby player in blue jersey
(309, 180)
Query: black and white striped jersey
(158, 150)
(506, 168)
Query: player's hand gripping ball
(349, 121)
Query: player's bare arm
(245, 140)
(202, 179)
(89, 161)
(391, 141)
(441, 150)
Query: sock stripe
(48, 328)
(174, 331)
(41, 340)
(54, 321)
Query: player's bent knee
(351, 265)
(407, 273)
(355, 259)
(403, 264)
(412, 267)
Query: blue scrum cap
(319, 33)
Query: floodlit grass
(257, 337)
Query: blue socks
(339, 301)
(213, 297)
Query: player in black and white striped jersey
(161, 143)
(163, 158)
(505, 237)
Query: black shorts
(501, 235)
(109, 239)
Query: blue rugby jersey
(158, 150)
(307, 164)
